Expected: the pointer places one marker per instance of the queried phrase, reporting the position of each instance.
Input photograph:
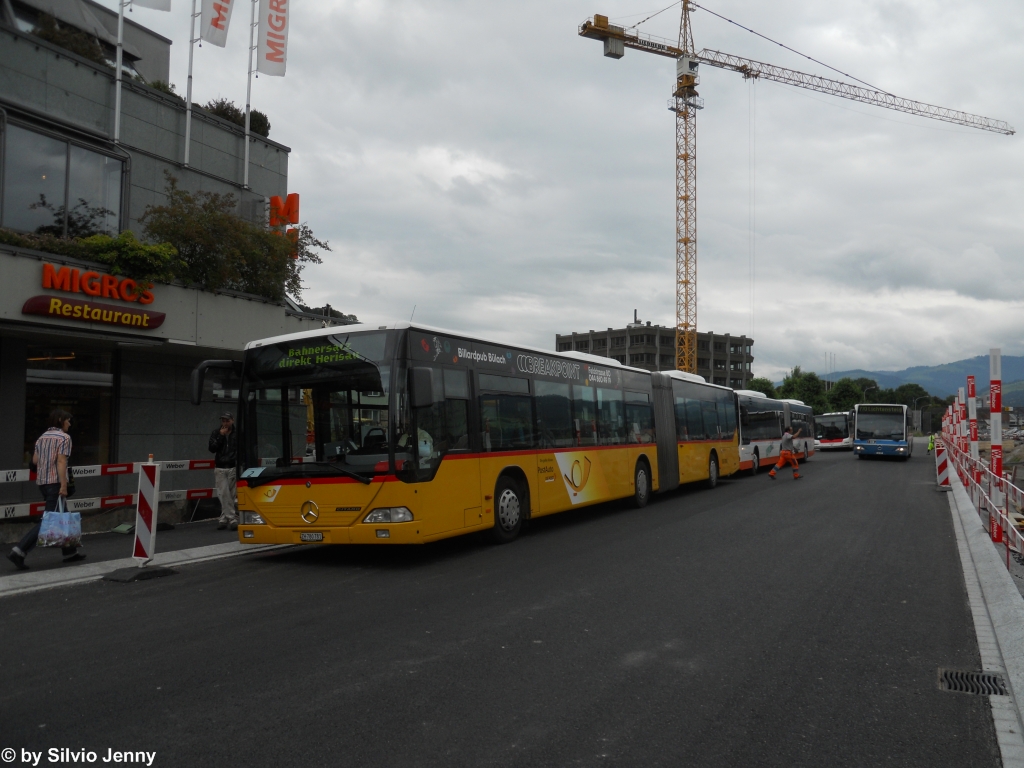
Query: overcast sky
(483, 163)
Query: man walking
(52, 450)
(224, 443)
(786, 454)
(931, 443)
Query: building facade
(721, 358)
(72, 335)
(62, 171)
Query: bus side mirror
(199, 375)
(421, 387)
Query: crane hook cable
(783, 45)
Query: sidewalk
(101, 547)
(107, 552)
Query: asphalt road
(759, 624)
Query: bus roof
(361, 327)
(751, 393)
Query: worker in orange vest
(787, 455)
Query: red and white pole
(146, 511)
(995, 375)
(972, 416)
(972, 431)
(962, 405)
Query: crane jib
(756, 69)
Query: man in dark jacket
(224, 443)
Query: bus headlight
(389, 515)
(252, 518)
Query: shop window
(79, 382)
(57, 188)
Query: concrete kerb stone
(21, 583)
(998, 612)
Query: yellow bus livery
(407, 434)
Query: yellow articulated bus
(409, 434)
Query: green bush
(227, 110)
(124, 254)
(165, 88)
(200, 240)
(70, 39)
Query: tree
(762, 385)
(844, 394)
(218, 249)
(807, 387)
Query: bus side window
(456, 406)
(726, 414)
(554, 415)
(584, 415)
(639, 418)
(611, 420)
(506, 419)
(682, 430)
(694, 421)
(710, 412)
(745, 425)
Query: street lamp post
(866, 390)
(920, 419)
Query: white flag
(156, 5)
(215, 20)
(272, 51)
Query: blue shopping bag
(60, 528)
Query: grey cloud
(500, 174)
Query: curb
(21, 583)
(998, 612)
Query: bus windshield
(316, 407)
(881, 426)
(832, 427)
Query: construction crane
(685, 102)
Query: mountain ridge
(942, 380)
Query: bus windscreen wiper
(336, 468)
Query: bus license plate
(311, 537)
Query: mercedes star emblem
(309, 511)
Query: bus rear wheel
(641, 484)
(508, 511)
(713, 471)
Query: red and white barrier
(146, 513)
(105, 470)
(35, 509)
(941, 466)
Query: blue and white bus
(882, 430)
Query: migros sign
(93, 285)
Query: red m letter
(60, 280)
(282, 213)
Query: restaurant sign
(85, 310)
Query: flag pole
(117, 74)
(188, 96)
(248, 91)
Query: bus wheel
(755, 465)
(641, 484)
(713, 471)
(508, 511)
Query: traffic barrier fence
(993, 497)
(35, 509)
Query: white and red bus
(762, 420)
(834, 432)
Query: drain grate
(980, 683)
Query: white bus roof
(751, 393)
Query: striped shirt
(52, 442)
